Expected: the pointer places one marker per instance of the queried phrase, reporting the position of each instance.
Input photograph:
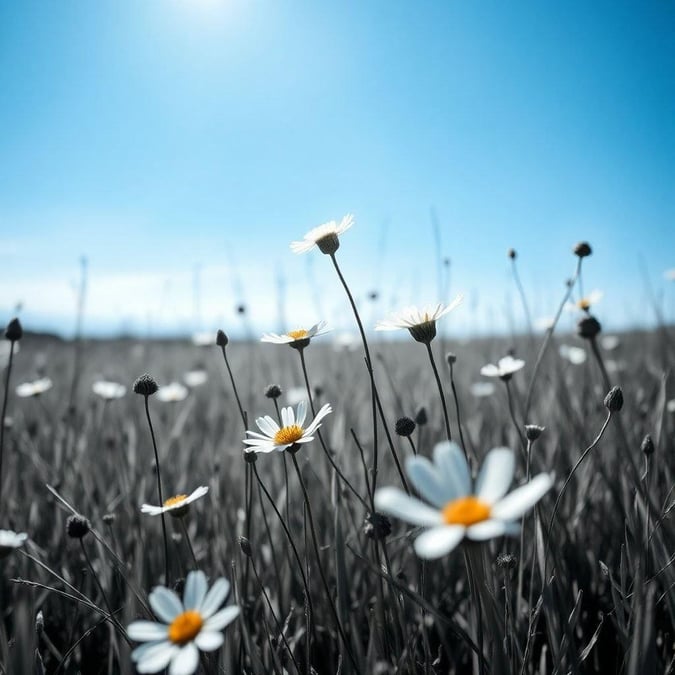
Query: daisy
(298, 339)
(288, 436)
(203, 339)
(457, 510)
(575, 355)
(482, 389)
(420, 322)
(176, 506)
(324, 236)
(504, 369)
(10, 540)
(586, 302)
(172, 392)
(195, 378)
(185, 628)
(34, 388)
(108, 390)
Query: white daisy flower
(289, 435)
(108, 390)
(187, 627)
(176, 506)
(195, 378)
(172, 392)
(586, 302)
(504, 369)
(457, 510)
(204, 339)
(34, 388)
(299, 338)
(482, 389)
(324, 236)
(421, 323)
(10, 540)
(575, 355)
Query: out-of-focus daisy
(10, 540)
(176, 506)
(586, 302)
(185, 627)
(172, 392)
(290, 434)
(324, 236)
(34, 388)
(482, 389)
(109, 390)
(203, 339)
(421, 323)
(196, 377)
(504, 369)
(575, 355)
(610, 342)
(458, 509)
(670, 274)
(544, 322)
(298, 339)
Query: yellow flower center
(299, 334)
(465, 511)
(172, 501)
(288, 435)
(185, 627)
(584, 303)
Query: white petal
(438, 541)
(197, 493)
(195, 590)
(215, 597)
(490, 370)
(428, 481)
(496, 475)
(515, 504)
(488, 529)
(208, 641)
(185, 662)
(151, 510)
(267, 425)
(157, 659)
(450, 459)
(285, 416)
(220, 619)
(144, 631)
(395, 502)
(165, 603)
(316, 422)
(302, 413)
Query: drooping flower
(298, 339)
(108, 390)
(172, 392)
(34, 388)
(10, 541)
(176, 506)
(421, 323)
(185, 627)
(504, 369)
(292, 432)
(457, 509)
(324, 236)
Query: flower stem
(441, 394)
(4, 411)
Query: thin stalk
(478, 610)
(159, 492)
(234, 388)
(513, 415)
(189, 543)
(601, 363)
(459, 417)
(441, 394)
(523, 298)
(4, 411)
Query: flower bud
(588, 327)
(421, 418)
(404, 426)
(451, 358)
(245, 546)
(377, 526)
(14, 330)
(273, 391)
(145, 385)
(582, 249)
(533, 431)
(647, 445)
(221, 338)
(511, 253)
(77, 526)
(614, 399)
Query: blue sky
(180, 139)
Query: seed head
(588, 327)
(614, 399)
(533, 431)
(507, 561)
(77, 526)
(221, 338)
(511, 253)
(421, 417)
(245, 546)
(582, 249)
(273, 391)
(451, 358)
(145, 385)
(405, 426)
(377, 526)
(647, 445)
(14, 330)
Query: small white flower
(187, 627)
(610, 342)
(195, 378)
(585, 303)
(457, 510)
(204, 339)
(108, 390)
(172, 392)
(177, 505)
(482, 389)
(10, 540)
(292, 432)
(575, 355)
(300, 337)
(504, 369)
(421, 323)
(34, 388)
(324, 236)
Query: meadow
(324, 581)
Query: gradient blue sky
(161, 137)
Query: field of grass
(324, 584)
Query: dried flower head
(14, 331)
(145, 385)
(273, 391)
(588, 327)
(582, 249)
(77, 526)
(614, 399)
(405, 426)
